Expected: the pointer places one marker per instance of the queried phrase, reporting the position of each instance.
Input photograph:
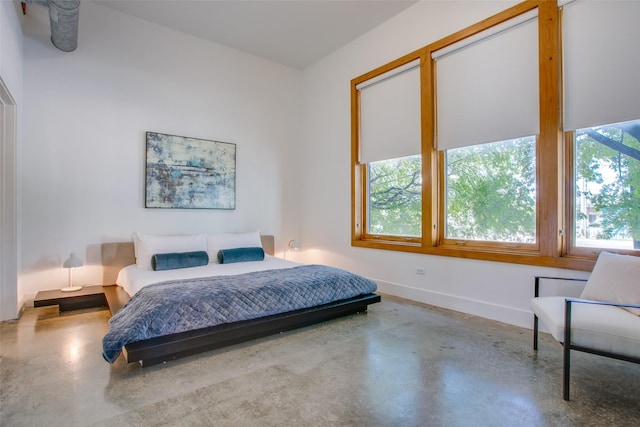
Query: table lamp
(71, 263)
(293, 246)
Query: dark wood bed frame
(162, 349)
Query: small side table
(87, 297)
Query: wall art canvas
(189, 173)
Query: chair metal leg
(535, 332)
(566, 353)
(565, 372)
(536, 294)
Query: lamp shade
(72, 262)
(294, 245)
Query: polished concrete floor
(402, 364)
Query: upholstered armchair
(604, 320)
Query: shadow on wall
(46, 262)
(91, 256)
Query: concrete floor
(402, 364)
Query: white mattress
(132, 278)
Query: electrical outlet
(420, 270)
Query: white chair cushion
(615, 278)
(599, 327)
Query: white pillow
(147, 245)
(215, 242)
(615, 278)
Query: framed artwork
(189, 173)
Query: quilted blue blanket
(182, 305)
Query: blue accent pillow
(172, 261)
(227, 256)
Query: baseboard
(510, 315)
(26, 302)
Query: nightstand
(87, 297)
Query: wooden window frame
(359, 171)
(554, 169)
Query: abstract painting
(189, 173)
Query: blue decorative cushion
(227, 256)
(179, 260)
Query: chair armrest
(536, 286)
(589, 301)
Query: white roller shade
(601, 49)
(390, 114)
(487, 87)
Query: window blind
(390, 114)
(601, 61)
(487, 85)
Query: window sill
(566, 262)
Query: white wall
(84, 127)
(10, 119)
(489, 289)
(82, 173)
(11, 47)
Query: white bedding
(133, 278)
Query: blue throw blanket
(183, 305)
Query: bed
(185, 311)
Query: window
(603, 133)
(521, 160)
(394, 197)
(606, 210)
(489, 81)
(388, 152)
(491, 192)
